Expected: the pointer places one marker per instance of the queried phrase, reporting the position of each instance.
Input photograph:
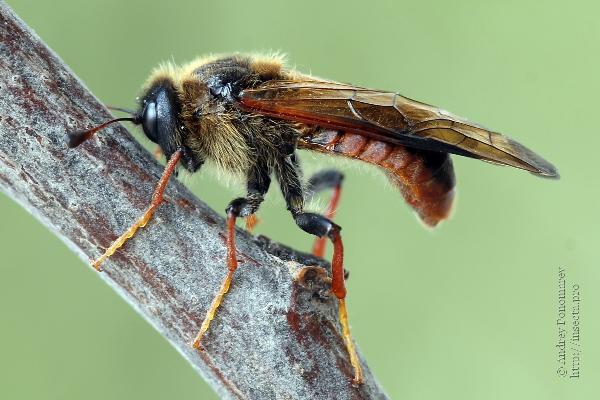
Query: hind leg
(322, 227)
(320, 181)
(323, 180)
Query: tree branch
(275, 337)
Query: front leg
(157, 199)
(258, 185)
(244, 206)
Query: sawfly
(250, 114)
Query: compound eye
(150, 122)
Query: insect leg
(251, 222)
(320, 226)
(157, 152)
(323, 180)
(258, 185)
(259, 181)
(157, 198)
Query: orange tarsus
(231, 251)
(319, 247)
(232, 265)
(251, 222)
(338, 288)
(321, 243)
(157, 152)
(157, 198)
(337, 268)
(343, 315)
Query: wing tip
(541, 167)
(535, 163)
(547, 171)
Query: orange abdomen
(425, 178)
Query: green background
(466, 311)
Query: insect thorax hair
(215, 130)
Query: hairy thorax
(209, 130)
(211, 125)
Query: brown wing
(388, 117)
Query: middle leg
(258, 184)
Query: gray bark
(276, 335)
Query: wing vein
(344, 107)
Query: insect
(249, 115)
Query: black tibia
(323, 180)
(317, 225)
(288, 172)
(288, 175)
(259, 180)
(191, 161)
(258, 185)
